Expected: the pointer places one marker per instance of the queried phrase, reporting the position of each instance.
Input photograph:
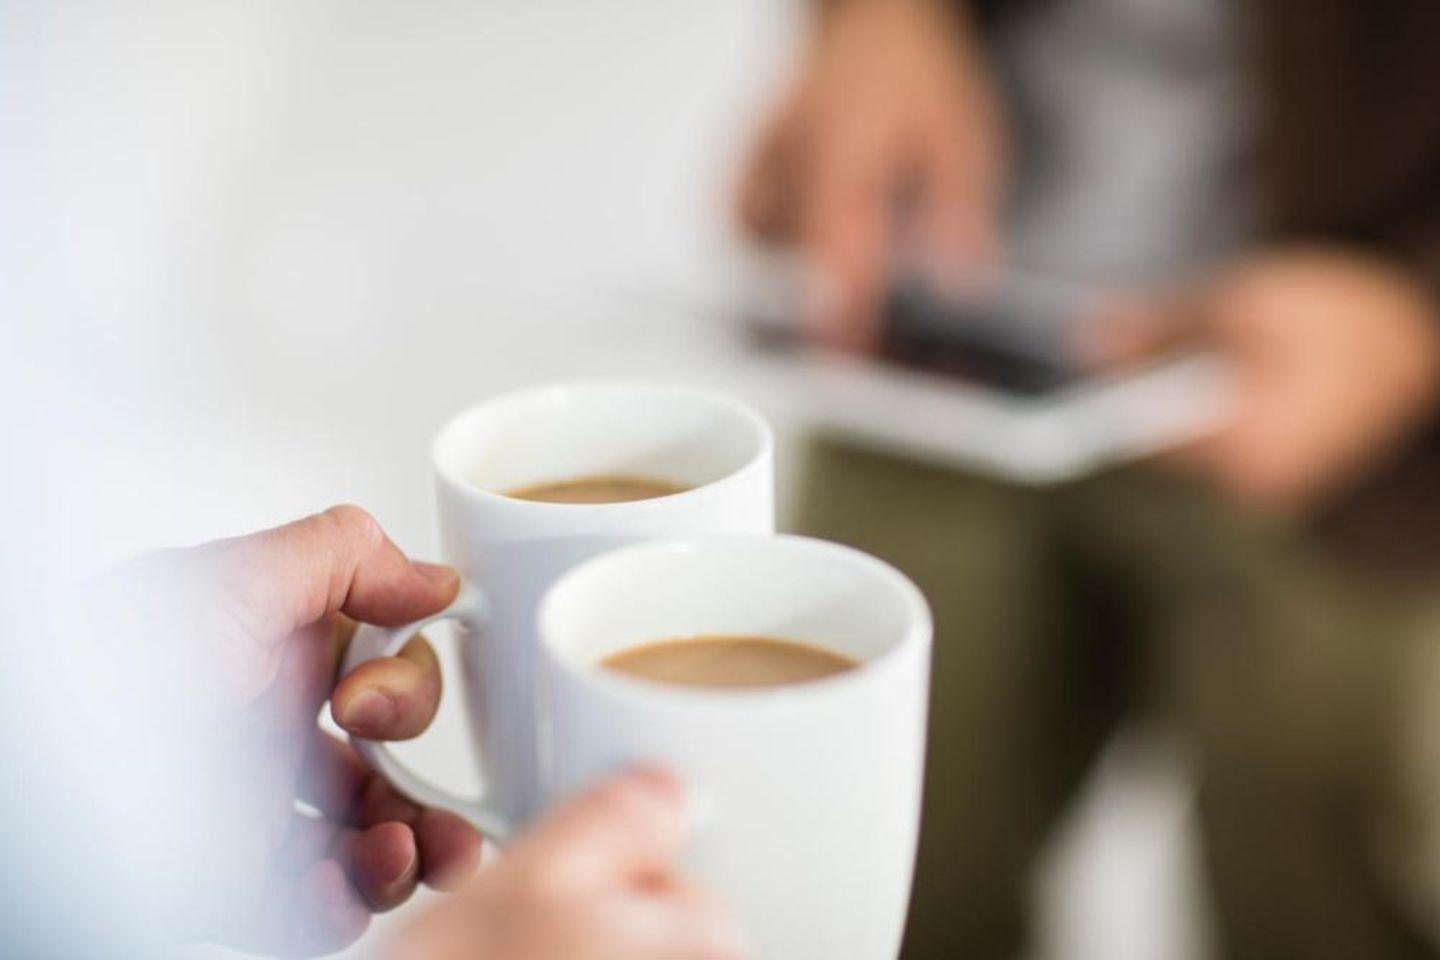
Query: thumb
(629, 826)
(339, 561)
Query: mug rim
(919, 630)
(743, 412)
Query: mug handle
(371, 642)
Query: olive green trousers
(1061, 613)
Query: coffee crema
(716, 660)
(598, 488)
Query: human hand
(890, 125)
(593, 881)
(1336, 358)
(275, 610)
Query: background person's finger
(763, 198)
(336, 561)
(1119, 330)
(958, 201)
(845, 232)
(1266, 456)
(632, 824)
(390, 698)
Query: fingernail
(369, 712)
(437, 573)
(409, 867)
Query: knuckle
(355, 522)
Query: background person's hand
(892, 117)
(593, 881)
(1336, 357)
(273, 612)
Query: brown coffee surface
(729, 661)
(599, 488)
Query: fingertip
(443, 577)
(389, 698)
(387, 588)
(385, 864)
(369, 712)
(840, 315)
(845, 240)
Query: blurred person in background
(1263, 176)
(198, 773)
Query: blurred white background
(269, 246)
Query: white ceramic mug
(807, 795)
(510, 551)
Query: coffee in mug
(729, 661)
(599, 488)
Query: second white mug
(806, 795)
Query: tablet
(988, 381)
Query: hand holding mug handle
(469, 608)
